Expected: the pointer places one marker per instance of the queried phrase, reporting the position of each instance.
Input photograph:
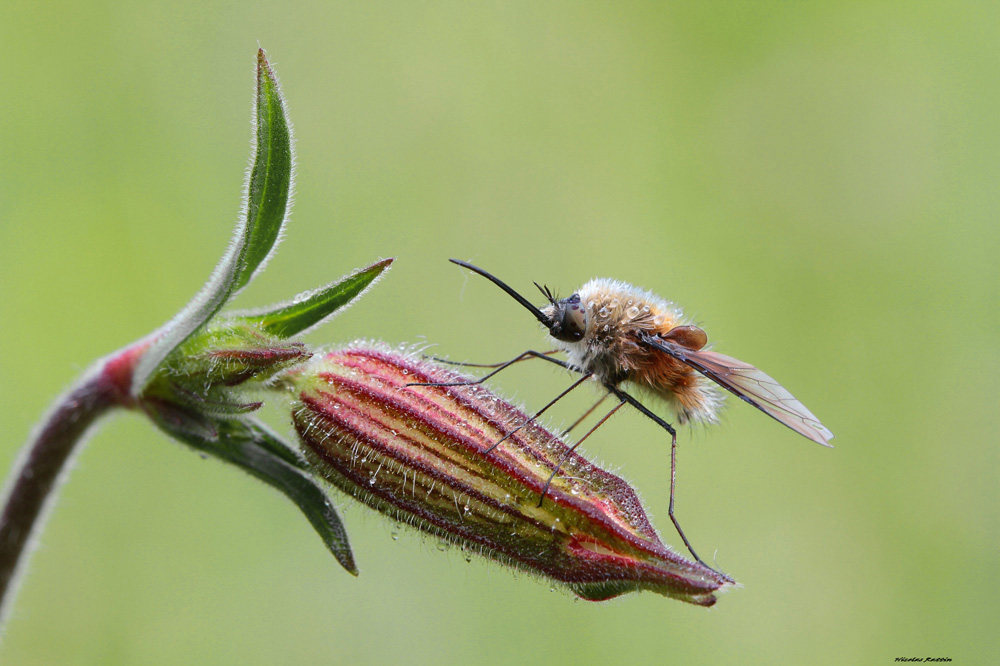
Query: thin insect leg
(540, 412)
(546, 357)
(499, 367)
(622, 395)
(565, 455)
(585, 415)
(502, 366)
(485, 365)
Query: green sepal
(312, 309)
(253, 447)
(228, 352)
(212, 402)
(265, 208)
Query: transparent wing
(750, 385)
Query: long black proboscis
(510, 291)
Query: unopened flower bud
(206, 377)
(232, 352)
(422, 455)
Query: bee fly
(618, 334)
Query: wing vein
(749, 384)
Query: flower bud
(211, 376)
(231, 352)
(422, 455)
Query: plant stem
(33, 483)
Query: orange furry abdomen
(667, 377)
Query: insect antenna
(510, 291)
(546, 292)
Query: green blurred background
(815, 183)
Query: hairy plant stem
(44, 460)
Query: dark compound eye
(571, 320)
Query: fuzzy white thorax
(615, 310)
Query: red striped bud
(420, 454)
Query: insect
(620, 335)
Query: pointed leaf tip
(312, 309)
(268, 189)
(266, 198)
(257, 450)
